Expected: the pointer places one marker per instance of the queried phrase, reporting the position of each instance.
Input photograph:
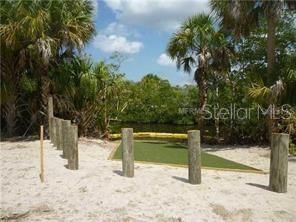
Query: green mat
(176, 153)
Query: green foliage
(28, 84)
(35, 36)
(292, 149)
(154, 100)
(90, 91)
(41, 43)
(191, 45)
(89, 86)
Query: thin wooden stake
(41, 155)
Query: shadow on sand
(118, 172)
(182, 179)
(259, 186)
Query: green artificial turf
(176, 153)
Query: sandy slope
(97, 192)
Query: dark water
(160, 128)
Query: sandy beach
(98, 192)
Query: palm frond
(194, 35)
(259, 92)
(187, 63)
(271, 94)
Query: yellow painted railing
(152, 135)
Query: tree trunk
(106, 117)
(10, 117)
(217, 120)
(231, 123)
(203, 98)
(271, 24)
(45, 82)
(269, 126)
(50, 115)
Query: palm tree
(40, 32)
(241, 17)
(270, 96)
(195, 45)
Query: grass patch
(176, 153)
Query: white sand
(96, 192)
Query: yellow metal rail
(153, 135)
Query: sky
(140, 30)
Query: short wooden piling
(73, 158)
(50, 115)
(59, 134)
(66, 142)
(194, 157)
(278, 177)
(41, 155)
(127, 152)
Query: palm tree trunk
(217, 120)
(10, 117)
(271, 24)
(269, 124)
(203, 99)
(45, 91)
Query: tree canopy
(242, 54)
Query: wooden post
(73, 161)
(54, 131)
(41, 155)
(278, 177)
(66, 143)
(50, 115)
(194, 157)
(59, 134)
(127, 152)
(51, 129)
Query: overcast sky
(140, 30)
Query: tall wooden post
(59, 134)
(66, 142)
(73, 160)
(194, 157)
(50, 115)
(278, 177)
(127, 152)
(41, 155)
(51, 129)
(54, 131)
